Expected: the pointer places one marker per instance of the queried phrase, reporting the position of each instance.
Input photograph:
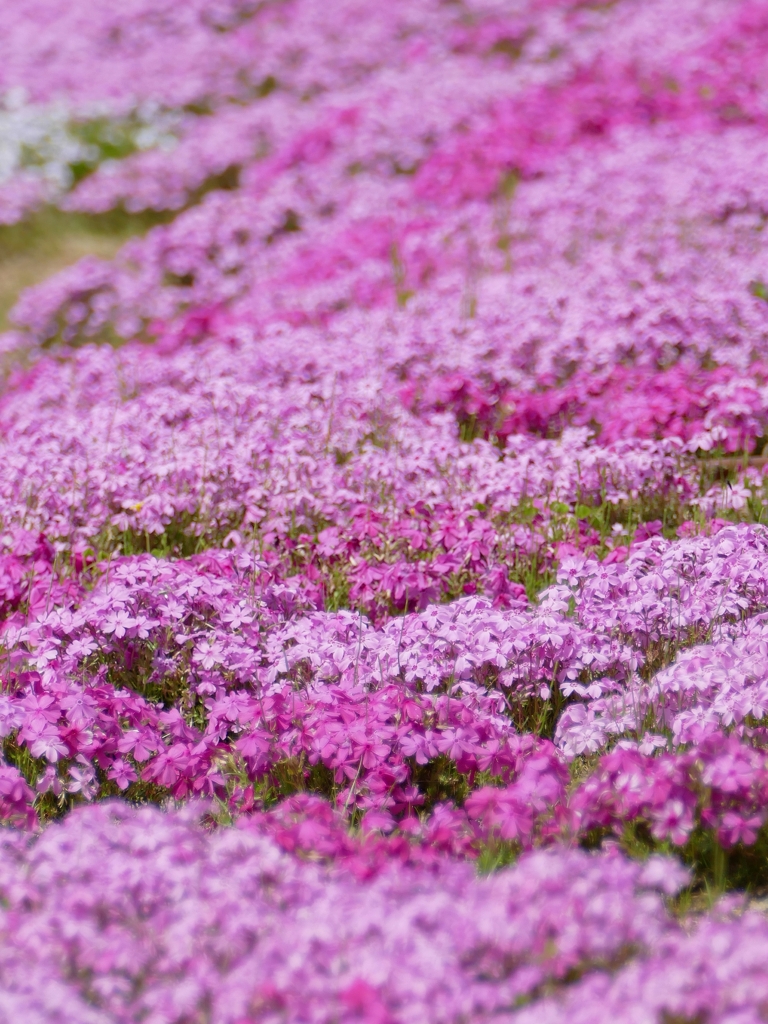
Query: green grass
(50, 240)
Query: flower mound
(383, 531)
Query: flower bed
(383, 533)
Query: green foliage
(103, 139)
(284, 779)
(714, 869)
(50, 807)
(496, 854)
(402, 293)
(439, 780)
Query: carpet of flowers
(384, 531)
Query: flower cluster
(175, 924)
(383, 544)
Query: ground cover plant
(384, 526)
